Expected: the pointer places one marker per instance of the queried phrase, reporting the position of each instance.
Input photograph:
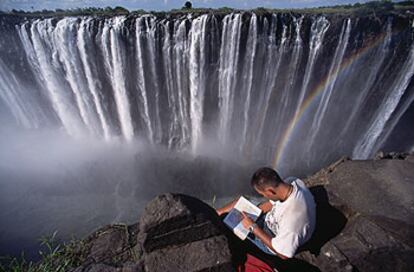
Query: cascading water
(239, 79)
(288, 90)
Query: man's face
(267, 192)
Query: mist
(53, 182)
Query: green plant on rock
(16, 264)
(213, 201)
(55, 257)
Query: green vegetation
(358, 8)
(54, 257)
(213, 201)
(109, 11)
(224, 10)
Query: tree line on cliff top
(368, 7)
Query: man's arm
(263, 236)
(227, 207)
(267, 240)
(266, 206)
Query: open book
(234, 217)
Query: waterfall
(333, 73)
(374, 73)
(93, 85)
(271, 72)
(152, 47)
(318, 30)
(229, 59)
(116, 70)
(197, 77)
(301, 88)
(172, 104)
(248, 74)
(13, 100)
(364, 147)
(141, 79)
(180, 64)
(43, 63)
(292, 78)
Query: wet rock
(107, 249)
(182, 233)
(375, 199)
(384, 187)
(211, 254)
(176, 219)
(101, 268)
(175, 233)
(381, 155)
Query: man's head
(266, 182)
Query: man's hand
(247, 222)
(227, 207)
(259, 233)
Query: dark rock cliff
(374, 229)
(365, 212)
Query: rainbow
(316, 93)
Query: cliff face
(369, 216)
(264, 86)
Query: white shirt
(293, 220)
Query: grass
(213, 202)
(55, 257)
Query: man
(289, 214)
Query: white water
(8, 84)
(333, 76)
(142, 89)
(318, 31)
(364, 148)
(375, 72)
(233, 82)
(114, 61)
(83, 39)
(292, 74)
(271, 76)
(42, 62)
(229, 60)
(197, 77)
(248, 75)
(152, 46)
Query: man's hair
(264, 177)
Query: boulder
(182, 233)
(111, 248)
(175, 233)
(376, 187)
(375, 200)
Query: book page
(251, 210)
(234, 218)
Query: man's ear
(271, 190)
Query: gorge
(99, 114)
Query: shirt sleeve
(286, 243)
